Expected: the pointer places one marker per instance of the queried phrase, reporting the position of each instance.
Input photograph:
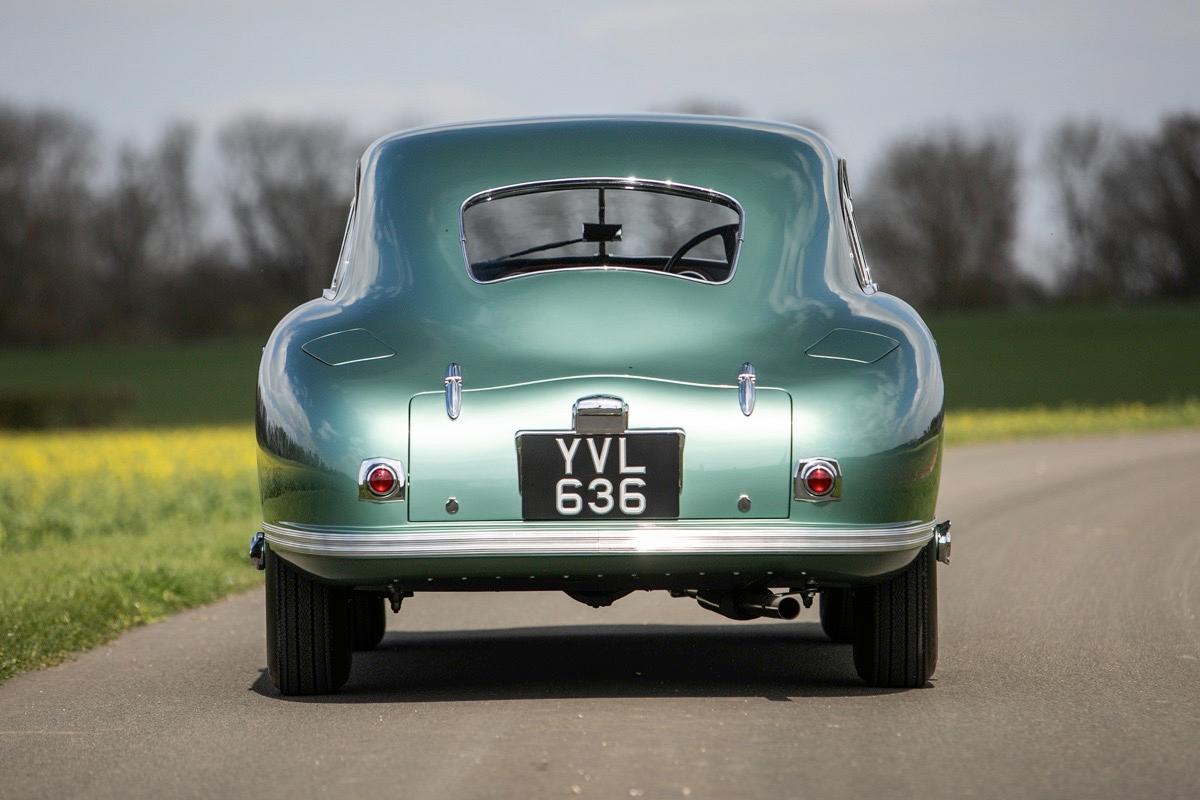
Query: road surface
(1069, 667)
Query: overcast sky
(865, 70)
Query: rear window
(604, 224)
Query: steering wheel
(727, 234)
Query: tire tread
(308, 631)
(895, 636)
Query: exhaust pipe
(780, 606)
(748, 606)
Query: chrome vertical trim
(258, 554)
(453, 384)
(941, 535)
(746, 379)
(861, 269)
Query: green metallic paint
(554, 333)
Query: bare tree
(1076, 157)
(289, 187)
(1129, 206)
(1151, 207)
(939, 218)
(148, 222)
(46, 166)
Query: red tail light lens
(819, 481)
(381, 481)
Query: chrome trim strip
(529, 539)
(668, 187)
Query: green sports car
(601, 355)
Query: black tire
(308, 631)
(369, 620)
(837, 615)
(895, 626)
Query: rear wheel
(837, 615)
(895, 626)
(308, 631)
(369, 620)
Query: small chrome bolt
(744, 503)
(452, 506)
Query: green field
(1073, 357)
(165, 384)
(1004, 359)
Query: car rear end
(609, 384)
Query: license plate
(632, 475)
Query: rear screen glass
(690, 234)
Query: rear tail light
(818, 479)
(381, 479)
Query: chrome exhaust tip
(748, 606)
(258, 550)
(941, 538)
(778, 607)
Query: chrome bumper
(534, 539)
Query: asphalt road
(1069, 667)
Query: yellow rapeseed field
(999, 424)
(66, 485)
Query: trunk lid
(474, 458)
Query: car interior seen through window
(689, 233)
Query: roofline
(764, 125)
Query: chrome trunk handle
(600, 414)
(453, 384)
(746, 378)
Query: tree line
(134, 245)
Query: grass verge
(65, 596)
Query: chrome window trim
(862, 270)
(595, 538)
(559, 184)
(347, 248)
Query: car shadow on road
(777, 662)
